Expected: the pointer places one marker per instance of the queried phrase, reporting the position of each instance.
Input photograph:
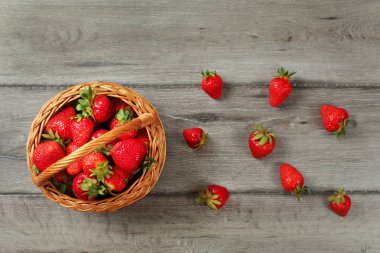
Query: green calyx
(338, 197)
(341, 132)
(102, 170)
(105, 150)
(36, 171)
(299, 191)
(85, 103)
(55, 137)
(282, 73)
(206, 197)
(124, 116)
(208, 73)
(147, 164)
(92, 188)
(263, 135)
(202, 141)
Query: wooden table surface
(158, 48)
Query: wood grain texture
(325, 162)
(248, 223)
(169, 42)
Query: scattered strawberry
(99, 133)
(98, 107)
(77, 166)
(280, 87)
(62, 177)
(261, 142)
(129, 154)
(195, 138)
(81, 129)
(47, 153)
(340, 203)
(87, 188)
(60, 123)
(292, 180)
(118, 180)
(95, 164)
(335, 120)
(143, 135)
(215, 196)
(122, 117)
(212, 84)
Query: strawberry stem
(282, 73)
(338, 197)
(208, 73)
(263, 135)
(341, 132)
(299, 191)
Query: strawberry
(118, 180)
(143, 135)
(212, 84)
(102, 108)
(81, 129)
(60, 123)
(99, 133)
(98, 107)
(122, 117)
(75, 167)
(261, 142)
(280, 87)
(340, 203)
(335, 120)
(292, 180)
(47, 153)
(129, 154)
(118, 104)
(87, 188)
(62, 177)
(215, 196)
(195, 137)
(95, 164)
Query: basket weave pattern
(147, 117)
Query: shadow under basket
(147, 117)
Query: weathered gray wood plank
(168, 42)
(325, 162)
(248, 223)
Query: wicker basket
(147, 117)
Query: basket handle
(137, 123)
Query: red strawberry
(335, 120)
(99, 133)
(81, 130)
(122, 117)
(62, 177)
(118, 180)
(129, 154)
(98, 107)
(195, 138)
(75, 167)
(47, 153)
(261, 142)
(86, 188)
(340, 203)
(143, 135)
(60, 123)
(280, 87)
(102, 108)
(212, 84)
(118, 104)
(95, 164)
(292, 180)
(215, 196)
